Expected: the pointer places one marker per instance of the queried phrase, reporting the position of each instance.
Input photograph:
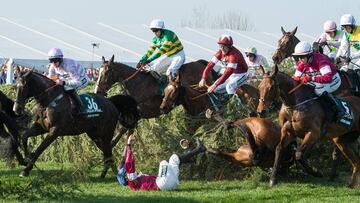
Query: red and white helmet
(157, 24)
(329, 26)
(55, 53)
(225, 40)
(302, 48)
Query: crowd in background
(92, 73)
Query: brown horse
(53, 115)
(143, 87)
(195, 100)
(266, 136)
(286, 46)
(303, 116)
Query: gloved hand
(337, 60)
(323, 43)
(60, 82)
(305, 78)
(142, 63)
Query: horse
(265, 135)
(142, 86)
(303, 116)
(13, 124)
(195, 101)
(286, 46)
(53, 115)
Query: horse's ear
(111, 59)
(103, 59)
(283, 31)
(294, 31)
(274, 71)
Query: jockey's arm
(209, 67)
(149, 52)
(344, 47)
(326, 75)
(226, 75)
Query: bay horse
(303, 116)
(286, 46)
(265, 135)
(53, 115)
(143, 87)
(194, 100)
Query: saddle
(337, 110)
(85, 105)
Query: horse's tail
(128, 110)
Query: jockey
(168, 176)
(331, 37)
(71, 74)
(255, 62)
(317, 70)
(235, 73)
(350, 42)
(169, 53)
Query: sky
(265, 15)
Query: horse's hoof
(272, 183)
(24, 174)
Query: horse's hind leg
(104, 144)
(350, 153)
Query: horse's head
(171, 93)
(286, 45)
(268, 92)
(106, 76)
(22, 92)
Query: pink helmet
(329, 26)
(225, 40)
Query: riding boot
(77, 101)
(186, 157)
(334, 106)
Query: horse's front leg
(52, 135)
(286, 138)
(34, 130)
(303, 153)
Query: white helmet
(157, 24)
(347, 19)
(251, 50)
(55, 53)
(329, 26)
(302, 48)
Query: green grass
(59, 182)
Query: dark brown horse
(13, 124)
(53, 115)
(143, 87)
(286, 46)
(266, 137)
(303, 116)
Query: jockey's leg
(77, 101)
(177, 61)
(158, 65)
(235, 80)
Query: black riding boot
(186, 157)
(334, 106)
(77, 101)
